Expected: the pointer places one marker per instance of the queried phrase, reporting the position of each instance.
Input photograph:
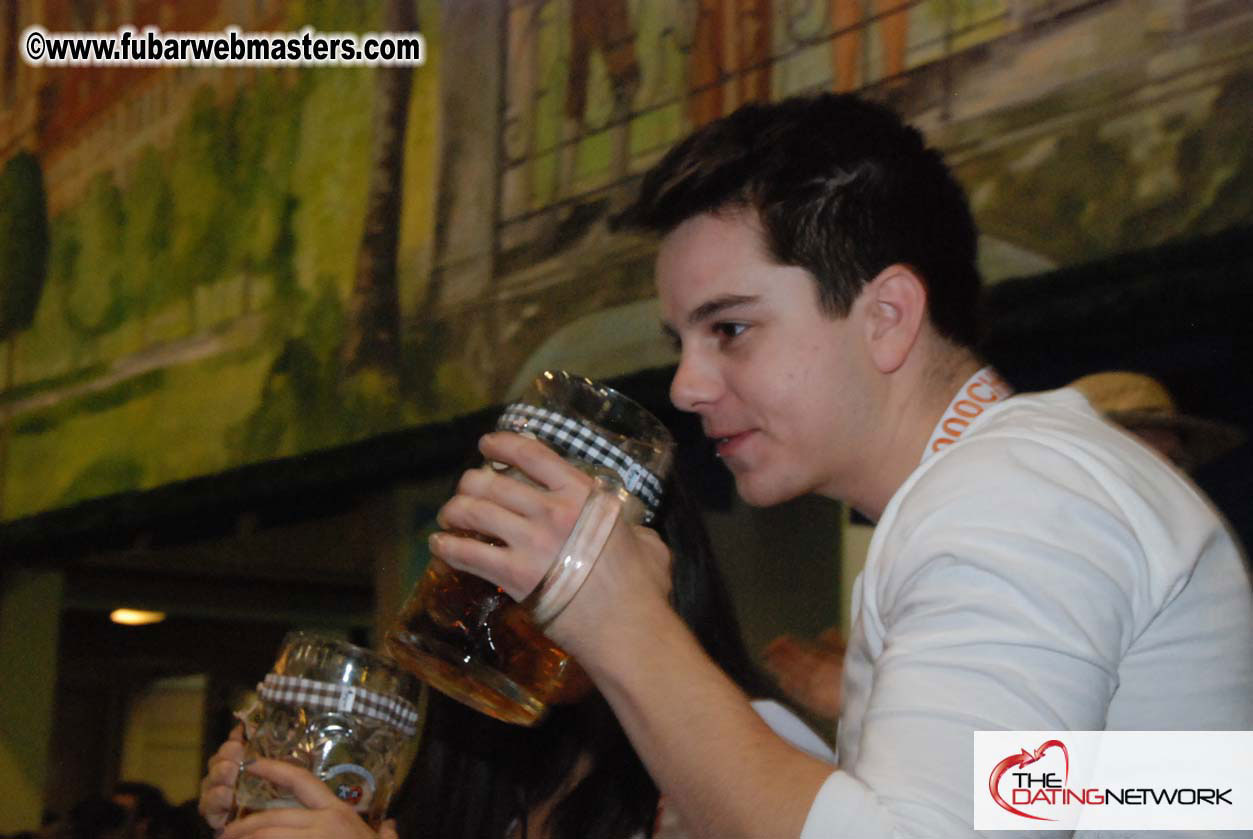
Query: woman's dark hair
(150, 801)
(842, 188)
(474, 776)
(94, 817)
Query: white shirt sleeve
(782, 722)
(845, 808)
(793, 729)
(1005, 608)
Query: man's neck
(914, 400)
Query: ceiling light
(135, 617)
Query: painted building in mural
(206, 226)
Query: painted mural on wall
(211, 282)
(597, 89)
(211, 264)
(1081, 129)
(1042, 98)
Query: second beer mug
(470, 640)
(343, 712)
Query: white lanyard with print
(981, 391)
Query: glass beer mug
(344, 713)
(470, 640)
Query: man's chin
(762, 494)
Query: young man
(808, 671)
(1032, 568)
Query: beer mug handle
(600, 514)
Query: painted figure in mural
(574, 776)
(850, 19)
(817, 272)
(731, 42)
(604, 27)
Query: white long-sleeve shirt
(1044, 572)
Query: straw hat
(1136, 401)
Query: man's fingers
(478, 515)
(302, 783)
(540, 463)
(499, 488)
(491, 562)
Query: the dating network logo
(1112, 780)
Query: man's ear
(896, 306)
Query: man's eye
(730, 330)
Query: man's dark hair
(842, 187)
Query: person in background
(91, 818)
(1142, 405)
(145, 806)
(184, 822)
(574, 776)
(808, 671)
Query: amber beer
(469, 639)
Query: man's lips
(726, 445)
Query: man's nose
(695, 383)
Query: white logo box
(1117, 780)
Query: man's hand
(528, 524)
(809, 672)
(710, 753)
(325, 816)
(533, 523)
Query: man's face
(777, 383)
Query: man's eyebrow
(716, 306)
(709, 309)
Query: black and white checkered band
(571, 437)
(325, 697)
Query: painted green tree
(23, 266)
(373, 338)
(148, 207)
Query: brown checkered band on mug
(346, 714)
(474, 643)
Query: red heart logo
(1024, 758)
